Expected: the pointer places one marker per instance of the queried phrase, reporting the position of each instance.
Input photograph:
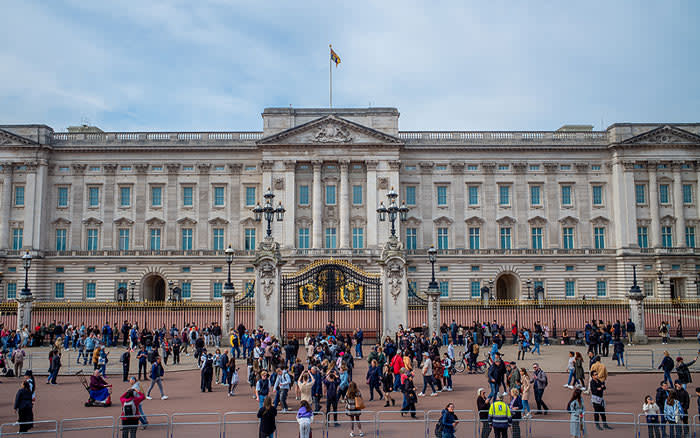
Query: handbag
(359, 403)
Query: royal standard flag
(335, 58)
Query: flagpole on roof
(330, 81)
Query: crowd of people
(322, 379)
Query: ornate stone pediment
(600, 220)
(123, 221)
(475, 221)
(92, 221)
(155, 221)
(186, 221)
(664, 135)
(8, 139)
(506, 220)
(667, 220)
(568, 220)
(218, 221)
(61, 221)
(442, 221)
(330, 130)
(537, 220)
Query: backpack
(129, 408)
(439, 426)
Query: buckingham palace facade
(570, 210)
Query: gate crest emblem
(310, 295)
(351, 295)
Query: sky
(214, 65)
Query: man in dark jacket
(125, 359)
(597, 390)
(157, 372)
(684, 399)
(662, 393)
(55, 366)
(683, 371)
(630, 331)
(207, 372)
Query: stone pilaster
(228, 322)
(489, 236)
(77, 205)
(654, 229)
(394, 287)
(290, 203)
(171, 207)
(433, 316)
(24, 311)
(520, 208)
(108, 203)
(7, 169)
(204, 205)
(678, 204)
(234, 231)
(141, 199)
(551, 204)
(428, 202)
(268, 281)
(344, 219)
(317, 207)
(372, 203)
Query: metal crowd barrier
(196, 424)
(367, 422)
(467, 421)
(87, 426)
(43, 428)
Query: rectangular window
(218, 239)
(474, 238)
(61, 239)
(411, 239)
(124, 196)
(444, 288)
(410, 195)
(93, 197)
(186, 287)
(538, 268)
(91, 244)
(90, 290)
(472, 167)
(687, 194)
(535, 198)
(663, 194)
(304, 195)
(502, 167)
(649, 288)
(11, 291)
(640, 194)
(565, 195)
(600, 268)
(597, 195)
(63, 197)
(155, 239)
(599, 237)
(536, 237)
(473, 195)
(643, 237)
(250, 239)
(442, 238)
(330, 195)
(666, 237)
(358, 238)
(250, 196)
(475, 288)
(331, 238)
(303, 238)
(595, 167)
(565, 167)
(186, 239)
(690, 237)
(156, 196)
(475, 268)
(441, 167)
(569, 268)
(444, 268)
(505, 237)
(219, 196)
(601, 288)
(17, 234)
(187, 200)
(218, 288)
(19, 196)
(570, 288)
(357, 195)
(534, 167)
(59, 291)
(568, 237)
(441, 196)
(123, 239)
(186, 269)
(504, 195)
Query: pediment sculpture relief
(332, 133)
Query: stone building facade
(568, 210)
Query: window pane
(59, 290)
(640, 193)
(663, 193)
(410, 195)
(537, 238)
(597, 195)
(599, 237)
(570, 288)
(186, 289)
(304, 195)
(186, 239)
(666, 237)
(690, 237)
(505, 238)
(60, 239)
(90, 290)
(250, 196)
(187, 196)
(601, 288)
(155, 239)
(17, 234)
(642, 237)
(303, 238)
(94, 196)
(411, 239)
(218, 239)
(19, 196)
(218, 289)
(535, 195)
(249, 239)
(358, 238)
(330, 238)
(124, 239)
(218, 196)
(92, 239)
(125, 196)
(473, 195)
(357, 195)
(63, 196)
(568, 237)
(11, 291)
(156, 196)
(441, 195)
(475, 289)
(504, 195)
(442, 237)
(330, 195)
(444, 288)
(474, 238)
(566, 195)
(687, 194)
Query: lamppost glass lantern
(491, 289)
(170, 289)
(268, 211)
(382, 212)
(528, 283)
(257, 211)
(660, 276)
(27, 262)
(279, 211)
(393, 210)
(403, 211)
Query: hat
(425, 353)
(677, 382)
(479, 391)
(678, 359)
(512, 364)
(28, 373)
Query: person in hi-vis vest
(500, 417)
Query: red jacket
(397, 363)
(137, 401)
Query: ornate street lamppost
(528, 283)
(269, 211)
(636, 299)
(229, 259)
(491, 289)
(27, 262)
(660, 276)
(132, 285)
(432, 256)
(393, 210)
(433, 293)
(697, 284)
(170, 289)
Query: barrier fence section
(366, 422)
(87, 427)
(158, 427)
(42, 429)
(389, 423)
(203, 424)
(649, 360)
(558, 423)
(237, 424)
(466, 427)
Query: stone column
(427, 203)
(583, 202)
(108, 204)
(77, 192)
(520, 206)
(30, 192)
(24, 311)
(697, 191)
(204, 205)
(655, 229)
(551, 204)
(234, 231)
(317, 207)
(172, 206)
(624, 208)
(678, 204)
(459, 194)
(372, 203)
(41, 213)
(344, 205)
(228, 313)
(7, 168)
(141, 199)
(394, 288)
(489, 232)
(290, 203)
(268, 280)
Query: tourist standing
(427, 371)
(577, 426)
(597, 391)
(267, 414)
(673, 413)
(353, 408)
(305, 416)
(500, 417)
(125, 359)
(24, 407)
(448, 421)
(483, 406)
(262, 389)
(525, 390)
(130, 401)
(683, 371)
(652, 411)
(540, 383)
(136, 386)
(667, 366)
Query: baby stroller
(97, 398)
(580, 338)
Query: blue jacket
(156, 370)
(448, 421)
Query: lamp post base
(24, 311)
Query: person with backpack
(262, 388)
(18, 360)
(232, 374)
(445, 428)
(157, 373)
(24, 407)
(130, 400)
(540, 382)
(125, 359)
